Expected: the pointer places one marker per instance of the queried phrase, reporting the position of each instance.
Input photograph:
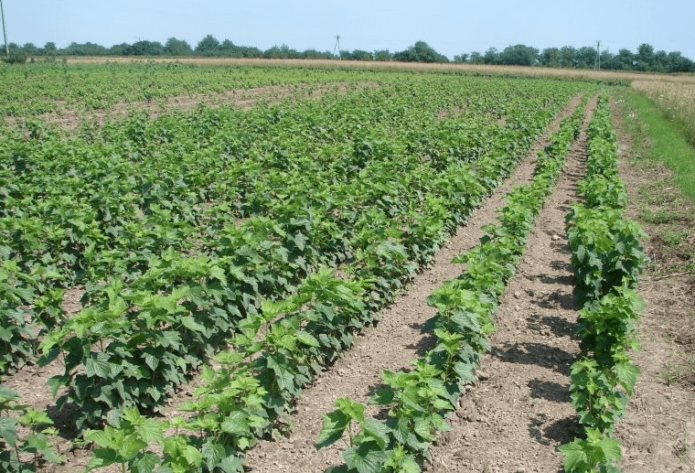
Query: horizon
(391, 25)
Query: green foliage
(244, 246)
(419, 52)
(418, 400)
(606, 251)
(596, 454)
(606, 328)
(608, 257)
(22, 455)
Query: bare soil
(396, 341)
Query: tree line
(645, 59)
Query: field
(230, 267)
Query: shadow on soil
(566, 301)
(64, 420)
(536, 354)
(559, 326)
(562, 265)
(560, 431)
(426, 343)
(554, 392)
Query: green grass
(668, 144)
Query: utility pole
(4, 31)
(336, 48)
(598, 54)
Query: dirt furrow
(391, 345)
(519, 412)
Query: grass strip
(668, 144)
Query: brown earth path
(396, 341)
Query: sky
(450, 27)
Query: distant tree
(624, 60)
(461, 58)
(177, 47)
(252, 51)
(644, 57)
(568, 56)
(607, 60)
(518, 55)
(314, 54)
(229, 49)
(207, 46)
(282, 52)
(119, 49)
(476, 58)
(660, 63)
(145, 48)
(550, 57)
(50, 49)
(586, 57)
(382, 55)
(420, 52)
(678, 63)
(30, 49)
(86, 49)
(491, 56)
(360, 55)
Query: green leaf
(102, 457)
(231, 464)
(98, 366)
(190, 323)
(145, 464)
(409, 465)
(130, 446)
(8, 432)
(575, 456)
(366, 458)
(193, 456)
(378, 431)
(354, 410)
(212, 454)
(7, 394)
(152, 430)
(334, 424)
(235, 423)
(383, 397)
(307, 339)
(611, 450)
(99, 437)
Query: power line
(4, 31)
(337, 46)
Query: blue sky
(451, 27)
